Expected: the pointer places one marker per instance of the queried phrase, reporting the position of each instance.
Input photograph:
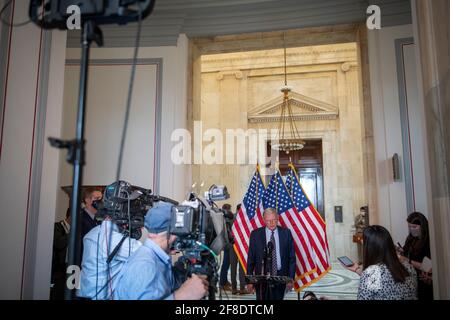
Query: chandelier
(287, 139)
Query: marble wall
(432, 31)
(236, 87)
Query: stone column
(231, 103)
(432, 33)
(370, 187)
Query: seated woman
(383, 276)
(416, 248)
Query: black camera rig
(201, 234)
(52, 14)
(126, 205)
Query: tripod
(90, 32)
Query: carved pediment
(303, 108)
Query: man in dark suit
(59, 261)
(87, 214)
(279, 242)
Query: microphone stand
(270, 271)
(261, 285)
(90, 32)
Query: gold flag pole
(277, 165)
(256, 197)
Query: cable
(129, 226)
(108, 238)
(204, 246)
(96, 274)
(8, 23)
(130, 92)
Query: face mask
(416, 232)
(97, 204)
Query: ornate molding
(265, 119)
(236, 73)
(346, 66)
(304, 108)
(277, 56)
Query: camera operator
(98, 279)
(147, 275)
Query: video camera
(127, 206)
(201, 234)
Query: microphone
(270, 247)
(269, 257)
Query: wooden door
(308, 163)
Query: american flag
(314, 224)
(278, 197)
(248, 218)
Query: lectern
(266, 283)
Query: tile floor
(338, 284)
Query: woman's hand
(402, 258)
(355, 268)
(426, 277)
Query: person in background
(87, 215)
(233, 258)
(383, 276)
(224, 284)
(235, 264)
(61, 232)
(416, 248)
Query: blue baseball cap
(158, 217)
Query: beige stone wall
(233, 84)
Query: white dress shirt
(277, 244)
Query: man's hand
(250, 288)
(289, 286)
(195, 288)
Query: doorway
(308, 163)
